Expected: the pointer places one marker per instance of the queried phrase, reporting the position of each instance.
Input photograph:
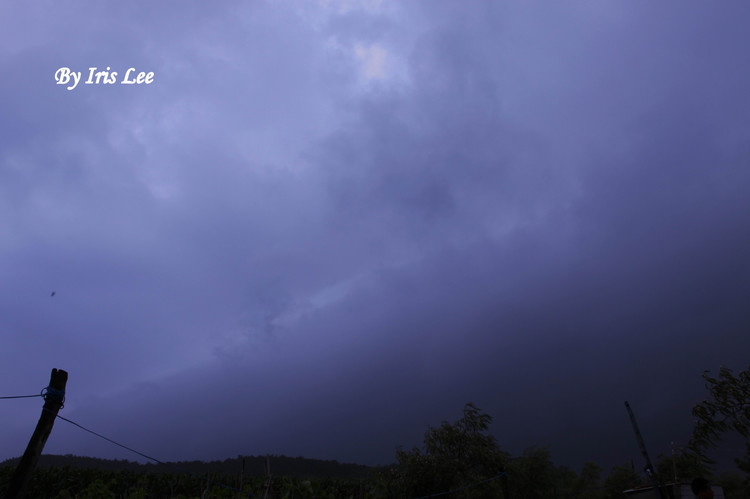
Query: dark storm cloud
(545, 213)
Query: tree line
(458, 459)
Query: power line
(149, 457)
(21, 396)
(112, 441)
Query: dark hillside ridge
(299, 467)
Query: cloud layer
(323, 228)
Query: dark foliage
(254, 466)
(727, 410)
(453, 456)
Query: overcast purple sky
(329, 224)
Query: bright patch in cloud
(344, 6)
(373, 62)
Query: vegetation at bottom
(458, 460)
(528, 476)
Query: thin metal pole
(649, 467)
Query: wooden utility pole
(53, 401)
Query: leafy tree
(621, 478)
(744, 463)
(733, 484)
(454, 455)
(684, 464)
(532, 475)
(728, 409)
(566, 483)
(588, 484)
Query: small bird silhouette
(53, 294)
